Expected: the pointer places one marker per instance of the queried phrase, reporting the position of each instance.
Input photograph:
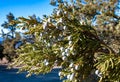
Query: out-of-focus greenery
(10, 17)
(82, 38)
(10, 39)
(10, 46)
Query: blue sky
(24, 8)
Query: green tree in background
(81, 37)
(10, 17)
(11, 38)
(10, 46)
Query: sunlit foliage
(81, 37)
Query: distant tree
(10, 17)
(83, 37)
(10, 46)
(11, 38)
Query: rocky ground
(4, 61)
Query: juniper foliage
(81, 37)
